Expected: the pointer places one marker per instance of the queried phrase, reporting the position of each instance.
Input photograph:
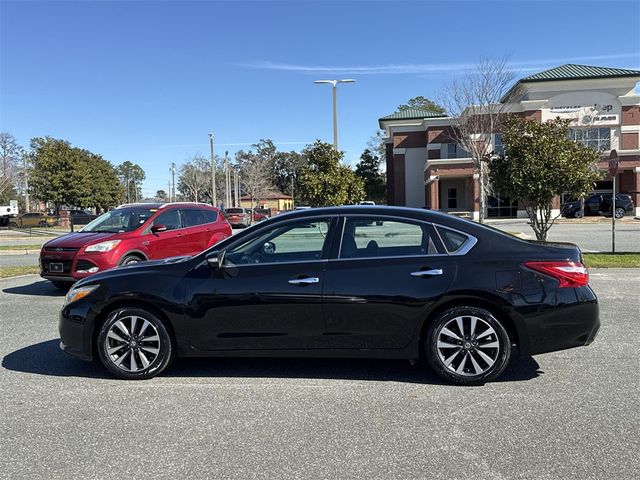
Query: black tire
(61, 285)
(156, 363)
(578, 214)
(620, 212)
(130, 260)
(467, 354)
(13, 225)
(42, 224)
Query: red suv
(130, 234)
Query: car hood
(133, 268)
(79, 239)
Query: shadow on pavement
(46, 358)
(43, 288)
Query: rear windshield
(235, 210)
(120, 220)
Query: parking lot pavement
(588, 236)
(569, 414)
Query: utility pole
(169, 190)
(26, 184)
(227, 180)
(173, 180)
(213, 174)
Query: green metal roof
(411, 114)
(571, 71)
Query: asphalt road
(588, 236)
(563, 415)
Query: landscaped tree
(475, 100)
(368, 169)
(194, 179)
(255, 171)
(162, 195)
(131, 175)
(325, 180)
(11, 154)
(422, 103)
(541, 162)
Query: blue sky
(146, 81)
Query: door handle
(304, 281)
(427, 273)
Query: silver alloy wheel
(468, 345)
(132, 344)
(620, 212)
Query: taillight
(568, 273)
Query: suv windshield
(120, 220)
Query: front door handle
(304, 281)
(427, 273)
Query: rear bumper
(568, 324)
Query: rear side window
(366, 237)
(210, 216)
(193, 217)
(170, 219)
(453, 241)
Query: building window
(452, 150)
(498, 147)
(596, 138)
(452, 198)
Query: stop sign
(613, 163)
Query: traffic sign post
(613, 171)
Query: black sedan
(360, 281)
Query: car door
(387, 274)
(195, 234)
(267, 293)
(592, 205)
(169, 243)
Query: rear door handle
(427, 273)
(304, 281)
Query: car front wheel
(134, 344)
(467, 346)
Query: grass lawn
(20, 247)
(6, 272)
(612, 260)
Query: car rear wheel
(467, 346)
(620, 212)
(134, 344)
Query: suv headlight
(79, 293)
(102, 246)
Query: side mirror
(158, 228)
(215, 259)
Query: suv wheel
(467, 346)
(134, 344)
(130, 260)
(620, 212)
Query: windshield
(120, 220)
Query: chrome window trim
(274, 263)
(466, 246)
(463, 250)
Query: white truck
(8, 212)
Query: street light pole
(213, 174)
(172, 192)
(334, 85)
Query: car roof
(159, 205)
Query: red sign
(613, 163)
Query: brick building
(426, 168)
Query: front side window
(300, 241)
(170, 219)
(595, 138)
(366, 237)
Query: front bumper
(75, 267)
(75, 326)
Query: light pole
(334, 84)
(213, 175)
(172, 192)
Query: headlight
(76, 294)
(102, 246)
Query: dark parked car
(332, 282)
(239, 217)
(599, 204)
